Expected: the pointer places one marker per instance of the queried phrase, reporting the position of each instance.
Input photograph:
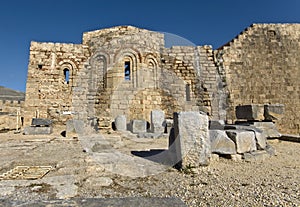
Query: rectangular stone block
(221, 143)
(33, 130)
(158, 122)
(41, 122)
(244, 140)
(250, 112)
(74, 127)
(120, 123)
(138, 126)
(190, 143)
(273, 111)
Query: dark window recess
(40, 66)
(67, 75)
(127, 70)
(188, 92)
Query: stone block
(158, 123)
(269, 129)
(120, 123)
(138, 126)
(33, 130)
(250, 112)
(261, 140)
(41, 122)
(260, 137)
(244, 140)
(74, 127)
(216, 124)
(190, 143)
(273, 112)
(221, 143)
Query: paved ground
(99, 166)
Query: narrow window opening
(127, 70)
(67, 75)
(187, 92)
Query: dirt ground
(111, 170)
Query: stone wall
(262, 66)
(50, 80)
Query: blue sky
(201, 22)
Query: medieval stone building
(128, 71)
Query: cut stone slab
(120, 123)
(250, 112)
(158, 123)
(190, 143)
(269, 129)
(99, 181)
(138, 126)
(221, 143)
(41, 122)
(104, 202)
(273, 111)
(244, 140)
(32, 130)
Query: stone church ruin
(124, 73)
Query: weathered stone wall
(262, 66)
(48, 93)
(170, 79)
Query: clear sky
(201, 22)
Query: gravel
(272, 182)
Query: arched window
(67, 75)
(127, 70)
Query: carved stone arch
(68, 70)
(103, 53)
(134, 53)
(151, 59)
(152, 68)
(132, 56)
(98, 71)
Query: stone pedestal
(158, 121)
(190, 144)
(138, 126)
(120, 123)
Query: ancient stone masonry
(128, 71)
(118, 71)
(262, 66)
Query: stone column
(190, 144)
